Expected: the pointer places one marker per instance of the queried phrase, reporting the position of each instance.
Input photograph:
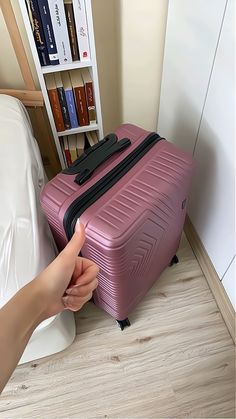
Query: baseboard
(217, 289)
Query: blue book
(69, 99)
(48, 31)
(71, 108)
(37, 28)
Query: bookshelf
(42, 70)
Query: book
(71, 29)
(59, 24)
(88, 84)
(48, 31)
(94, 136)
(62, 100)
(81, 29)
(80, 98)
(54, 101)
(67, 151)
(92, 139)
(62, 150)
(72, 147)
(69, 98)
(37, 28)
(80, 141)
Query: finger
(75, 303)
(81, 265)
(86, 276)
(76, 243)
(83, 290)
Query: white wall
(197, 111)
(212, 202)
(191, 40)
(107, 51)
(142, 34)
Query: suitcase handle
(96, 159)
(83, 161)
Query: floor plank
(175, 361)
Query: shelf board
(85, 128)
(63, 67)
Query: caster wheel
(123, 323)
(174, 261)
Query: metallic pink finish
(133, 231)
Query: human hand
(69, 281)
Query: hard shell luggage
(130, 191)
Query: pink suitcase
(131, 196)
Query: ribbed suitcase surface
(133, 229)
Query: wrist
(35, 294)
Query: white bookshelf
(62, 67)
(92, 64)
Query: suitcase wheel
(174, 260)
(123, 323)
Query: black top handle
(98, 158)
(109, 140)
(94, 156)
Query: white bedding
(26, 243)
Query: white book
(58, 17)
(90, 139)
(80, 144)
(94, 136)
(81, 29)
(72, 147)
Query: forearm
(18, 319)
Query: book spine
(73, 152)
(48, 31)
(67, 151)
(71, 30)
(71, 108)
(90, 102)
(63, 150)
(58, 18)
(68, 156)
(56, 110)
(65, 112)
(38, 33)
(81, 106)
(82, 29)
(80, 151)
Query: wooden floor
(175, 361)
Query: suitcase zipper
(105, 183)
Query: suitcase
(130, 191)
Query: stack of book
(73, 145)
(72, 98)
(60, 30)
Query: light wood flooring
(175, 361)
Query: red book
(80, 97)
(88, 83)
(67, 151)
(54, 101)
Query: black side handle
(83, 161)
(100, 157)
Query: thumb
(74, 246)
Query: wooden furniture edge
(216, 287)
(17, 43)
(33, 98)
